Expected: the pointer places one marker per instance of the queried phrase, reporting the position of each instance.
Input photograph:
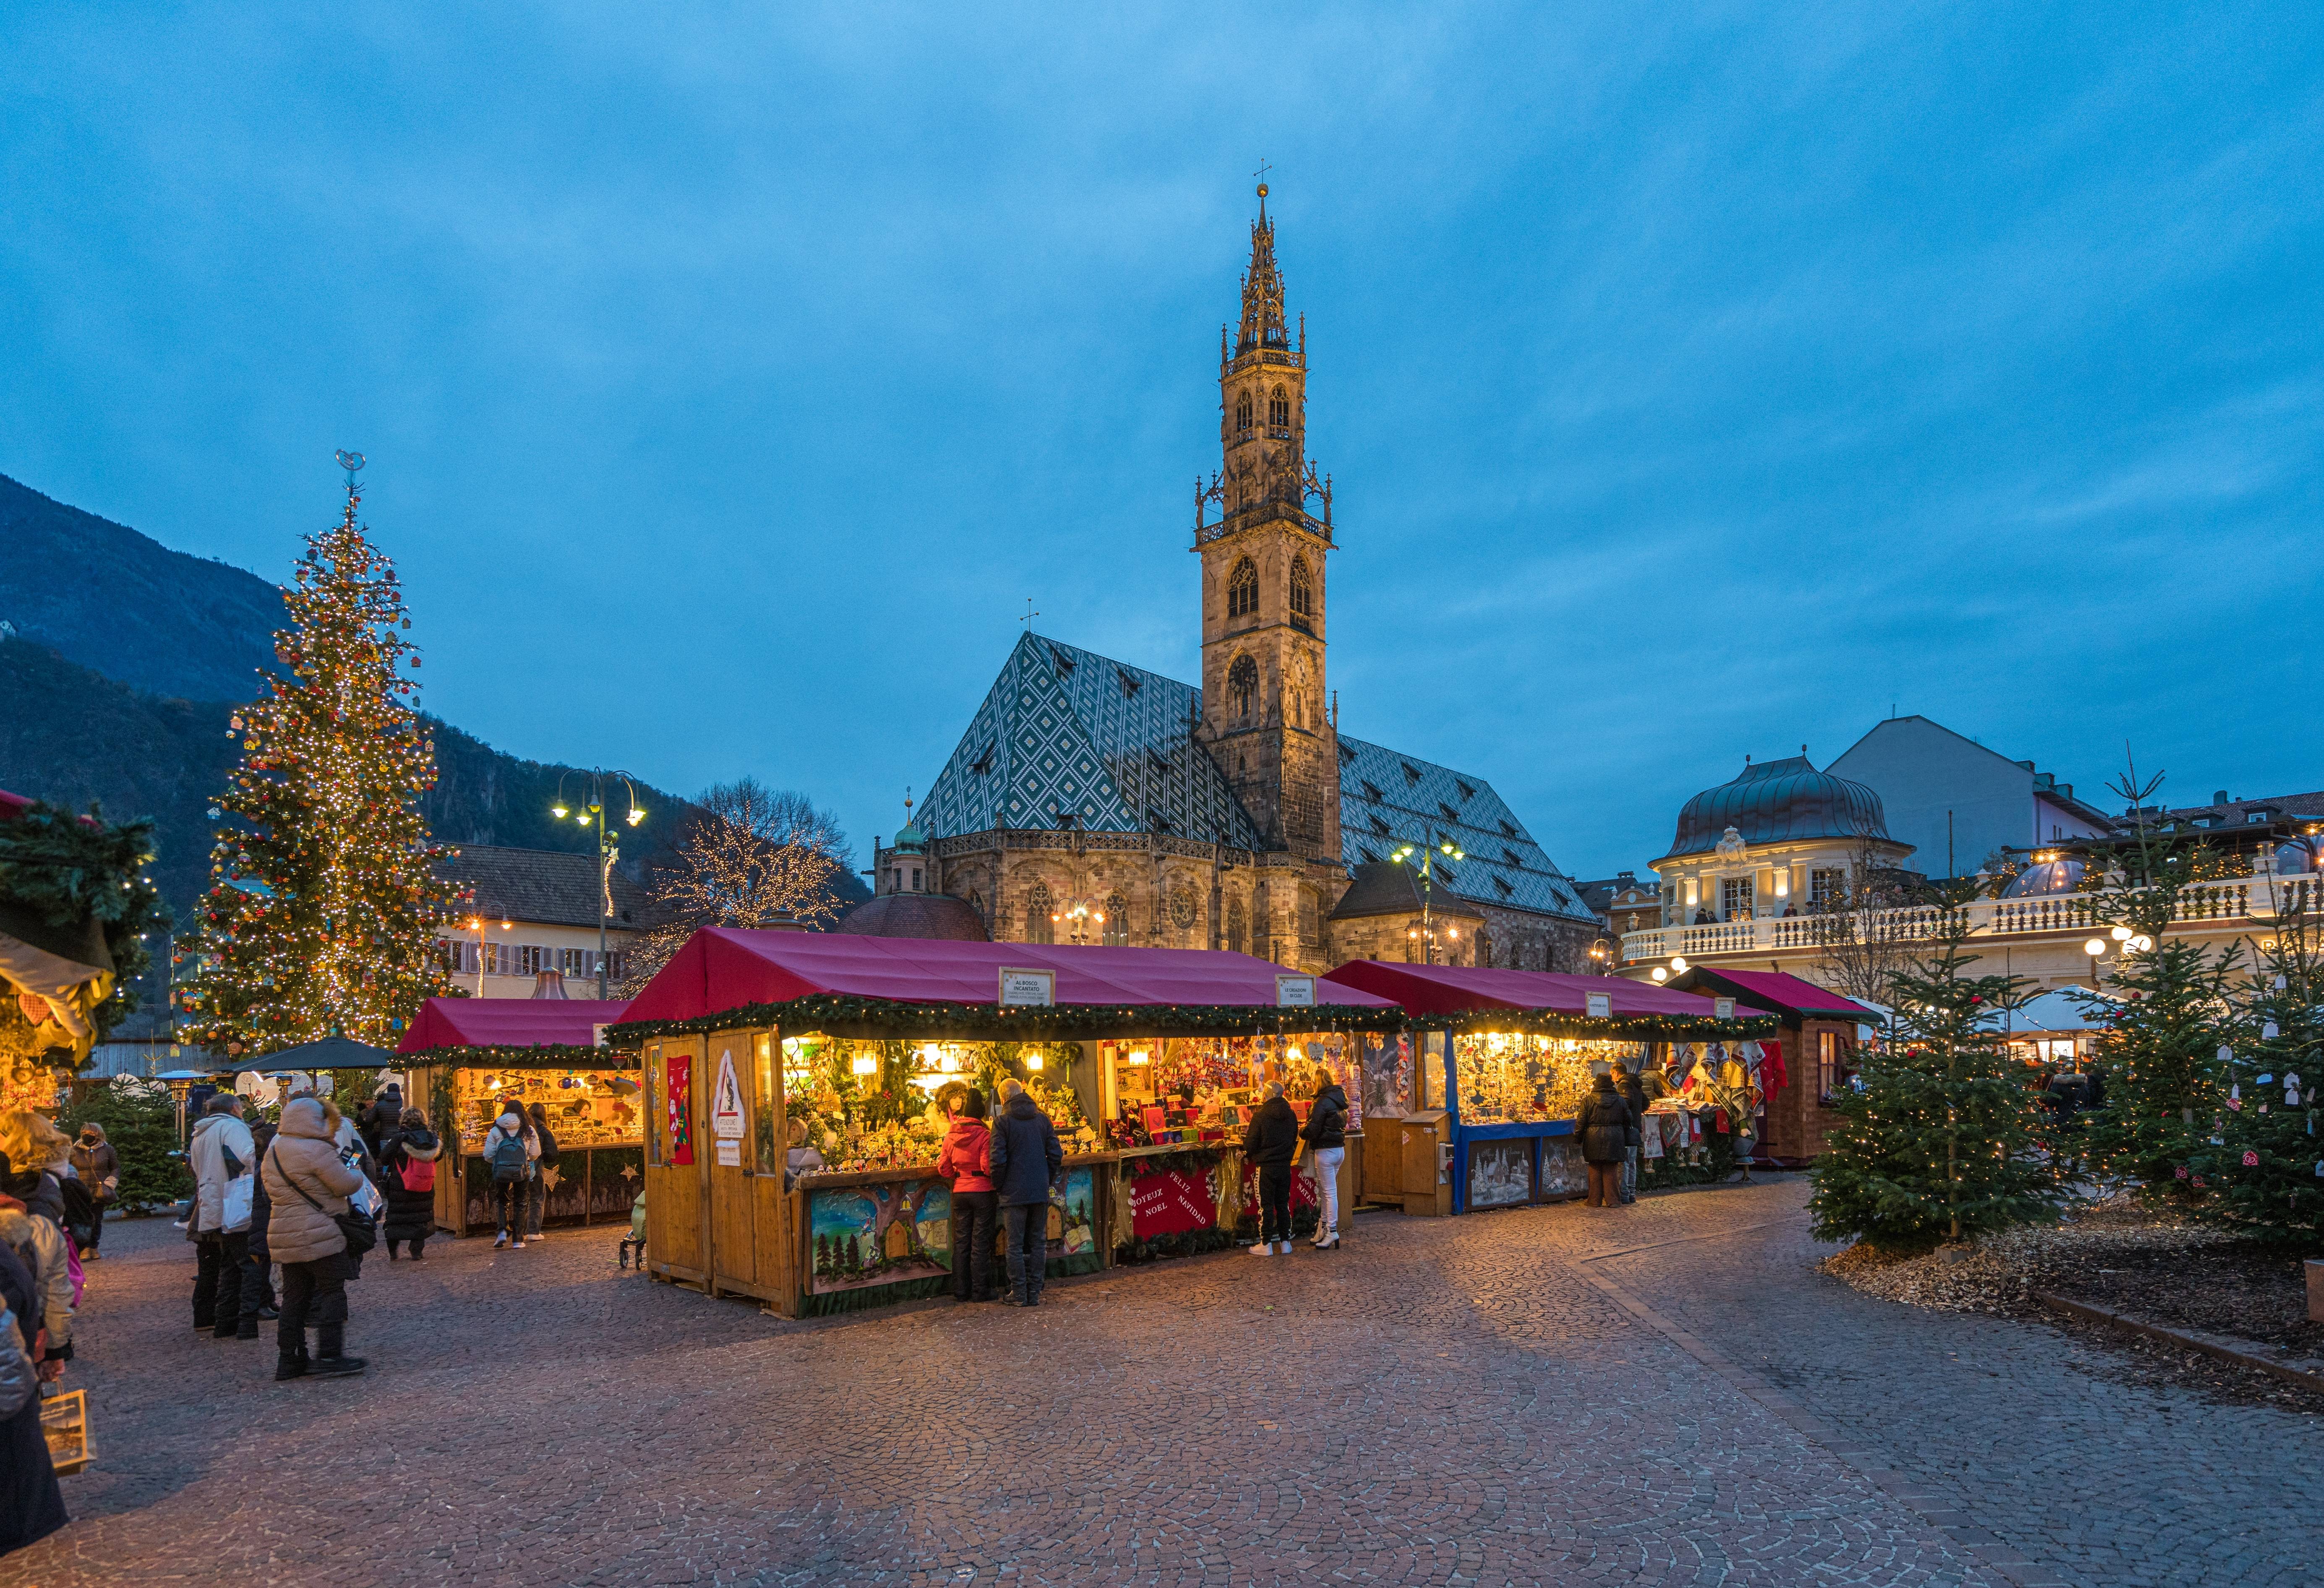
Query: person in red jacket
(963, 1162)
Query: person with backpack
(47, 1255)
(1024, 1158)
(31, 1504)
(1269, 1144)
(962, 1161)
(383, 1119)
(510, 1148)
(407, 1161)
(1326, 1135)
(308, 1184)
(541, 1166)
(98, 1166)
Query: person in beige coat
(309, 1181)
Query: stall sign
(1170, 1202)
(677, 1107)
(598, 1035)
(726, 1103)
(1030, 988)
(1724, 1008)
(1601, 1006)
(1295, 992)
(730, 1153)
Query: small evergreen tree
(1942, 1141)
(321, 916)
(2259, 1167)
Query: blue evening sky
(1697, 380)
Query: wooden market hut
(1819, 1031)
(1502, 1058)
(466, 1055)
(749, 1038)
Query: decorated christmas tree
(1942, 1141)
(2257, 1165)
(322, 915)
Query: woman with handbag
(98, 1166)
(313, 1232)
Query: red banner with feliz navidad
(1170, 1202)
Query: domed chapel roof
(1776, 802)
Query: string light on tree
(321, 914)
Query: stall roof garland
(846, 1015)
(1563, 1023)
(540, 1055)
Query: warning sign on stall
(726, 1103)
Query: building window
(1310, 929)
(1827, 888)
(1234, 926)
(1243, 589)
(1243, 687)
(1303, 594)
(1831, 1063)
(1243, 411)
(1278, 410)
(529, 957)
(1039, 928)
(1735, 899)
(916, 879)
(1117, 919)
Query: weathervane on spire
(1029, 615)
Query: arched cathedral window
(1243, 589)
(1278, 410)
(1243, 411)
(1234, 926)
(1243, 687)
(1038, 927)
(1303, 593)
(1117, 918)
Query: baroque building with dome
(1094, 801)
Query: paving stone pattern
(1463, 1401)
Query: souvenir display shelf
(597, 1115)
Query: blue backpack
(509, 1161)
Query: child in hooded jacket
(511, 1199)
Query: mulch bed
(2151, 1263)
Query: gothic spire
(1262, 289)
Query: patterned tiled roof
(1387, 799)
(1067, 736)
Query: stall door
(677, 1222)
(734, 1252)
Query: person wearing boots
(1270, 1143)
(408, 1158)
(539, 1114)
(1024, 1159)
(1326, 1135)
(962, 1161)
(1604, 1126)
(1634, 1093)
(220, 1153)
(307, 1185)
(98, 1166)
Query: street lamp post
(1451, 851)
(608, 848)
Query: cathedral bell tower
(1264, 719)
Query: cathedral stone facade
(1092, 801)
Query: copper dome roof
(916, 915)
(1779, 801)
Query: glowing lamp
(1034, 1061)
(558, 811)
(1678, 965)
(2122, 934)
(2142, 942)
(1661, 975)
(636, 816)
(864, 1064)
(1139, 1055)
(2095, 946)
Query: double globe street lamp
(608, 848)
(1450, 851)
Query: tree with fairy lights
(322, 915)
(1940, 1138)
(2257, 1166)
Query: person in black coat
(32, 1506)
(1024, 1159)
(408, 1156)
(383, 1119)
(1270, 1142)
(1634, 1093)
(1607, 1127)
(257, 1263)
(541, 1168)
(1326, 1135)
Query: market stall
(795, 1085)
(1503, 1060)
(469, 1058)
(1797, 1066)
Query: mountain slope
(113, 599)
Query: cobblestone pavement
(1463, 1401)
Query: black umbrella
(328, 1053)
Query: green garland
(1182, 1161)
(539, 1056)
(847, 1015)
(65, 870)
(1558, 1023)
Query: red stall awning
(509, 1022)
(722, 968)
(1452, 989)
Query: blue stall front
(1508, 1056)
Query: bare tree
(747, 855)
(1863, 929)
